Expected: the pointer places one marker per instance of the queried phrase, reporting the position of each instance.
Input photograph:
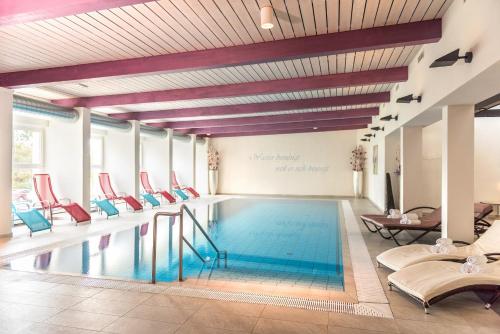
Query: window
(97, 164)
(27, 159)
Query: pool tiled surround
(42, 303)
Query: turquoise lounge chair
(33, 219)
(181, 194)
(105, 206)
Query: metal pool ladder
(221, 255)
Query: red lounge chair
(49, 201)
(176, 185)
(110, 194)
(147, 188)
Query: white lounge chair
(430, 282)
(404, 256)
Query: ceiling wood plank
(397, 74)
(338, 43)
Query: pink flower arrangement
(358, 158)
(213, 158)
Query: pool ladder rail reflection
(221, 254)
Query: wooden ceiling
(141, 30)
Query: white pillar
(193, 155)
(6, 100)
(411, 168)
(170, 151)
(458, 173)
(136, 144)
(84, 132)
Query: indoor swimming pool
(291, 241)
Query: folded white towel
(394, 212)
(394, 216)
(410, 216)
(410, 221)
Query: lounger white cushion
(428, 280)
(404, 256)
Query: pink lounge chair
(147, 188)
(110, 194)
(176, 185)
(49, 201)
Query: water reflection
(42, 261)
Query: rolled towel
(410, 216)
(394, 212)
(413, 221)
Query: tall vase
(357, 181)
(213, 181)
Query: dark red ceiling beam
(24, 11)
(253, 108)
(274, 119)
(389, 75)
(282, 126)
(415, 33)
(279, 132)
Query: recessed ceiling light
(83, 85)
(208, 134)
(315, 128)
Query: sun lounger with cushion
(430, 282)
(389, 228)
(402, 257)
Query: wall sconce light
(451, 58)
(365, 139)
(369, 135)
(389, 117)
(378, 128)
(409, 98)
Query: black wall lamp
(369, 135)
(365, 139)
(451, 58)
(409, 98)
(378, 128)
(389, 117)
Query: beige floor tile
(191, 329)
(419, 327)
(345, 330)
(271, 326)
(35, 286)
(71, 290)
(133, 326)
(225, 320)
(27, 312)
(160, 313)
(362, 322)
(123, 295)
(176, 301)
(38, 299)
(84, 320)
(9, 325)
(295, 314)
(250, 310)
(104, 306)
(53, 329)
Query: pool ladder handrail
(182, 240)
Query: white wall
(375, 183)
(487, 159)
(392, 156)
(67, 157)
(431, 164)
(183, 161)
(478, 25)
(293, 164)
(202, 167)
(120, 155)
(155, 160)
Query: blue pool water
(267, 240)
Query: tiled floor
(46, 306)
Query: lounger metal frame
(480, 226)
(489, 288)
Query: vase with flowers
(213, 169)
(358, 159)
